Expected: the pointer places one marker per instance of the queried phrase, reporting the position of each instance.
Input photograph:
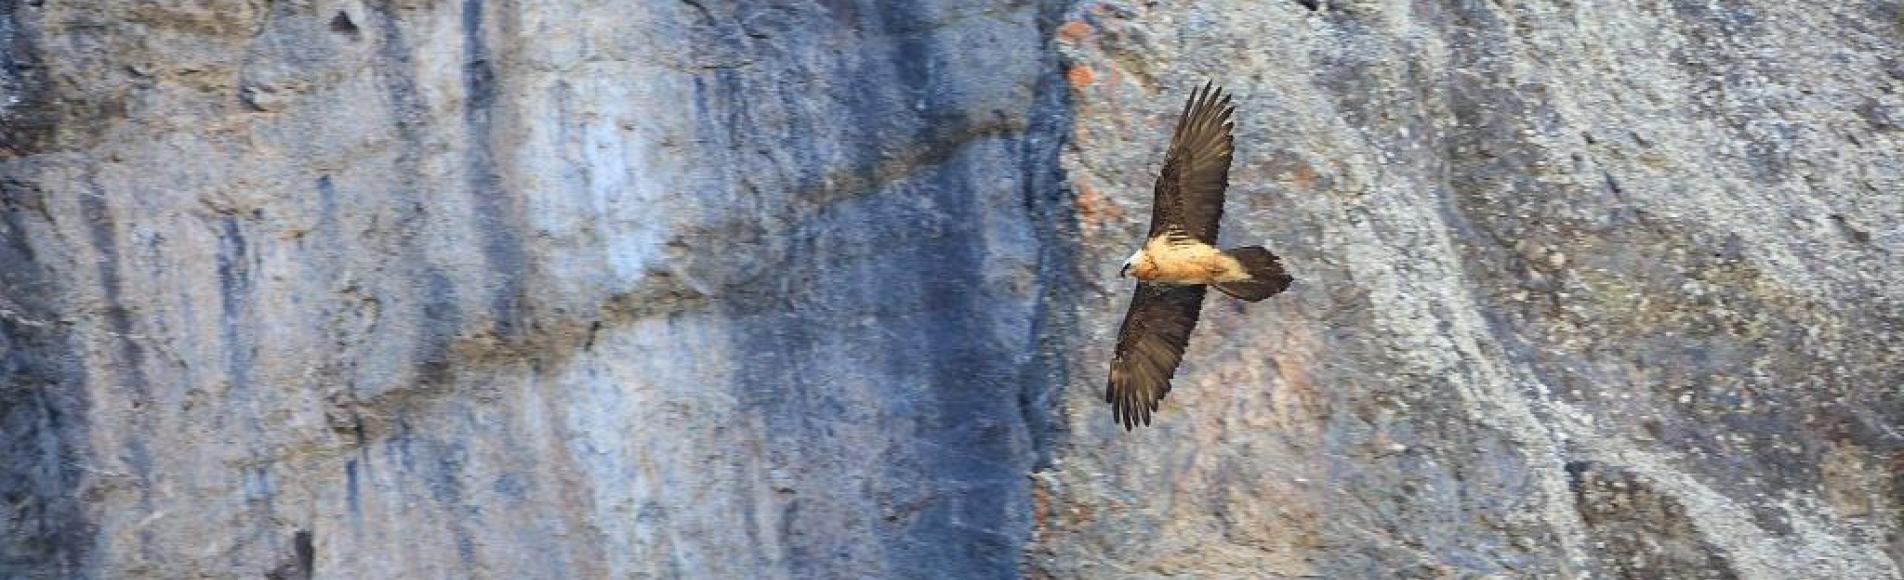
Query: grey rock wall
(1601, 289)
(452, 289)
(416, 288)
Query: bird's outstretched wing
(1149, 346)
(1189, 192)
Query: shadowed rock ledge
(476, 288)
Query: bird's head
(1139, 265)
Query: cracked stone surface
(422, 288)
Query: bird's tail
(1266, 275)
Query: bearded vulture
(1179, 259)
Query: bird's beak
(1124, 272)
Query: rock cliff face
(416, 288)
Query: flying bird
(1179, 260)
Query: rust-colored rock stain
(1073, 31)
(1080, 76)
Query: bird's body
(1184, 261)
(1179, 260)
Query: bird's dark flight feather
(1189, 192)
(1149, 346)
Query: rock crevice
(778, 290)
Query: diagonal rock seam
(528, 296)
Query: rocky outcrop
(523, 290)
(338, 288)
(1584, 289)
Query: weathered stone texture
(588, 289)
(491, 288)
(1657, 238)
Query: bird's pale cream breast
(1185, 261)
